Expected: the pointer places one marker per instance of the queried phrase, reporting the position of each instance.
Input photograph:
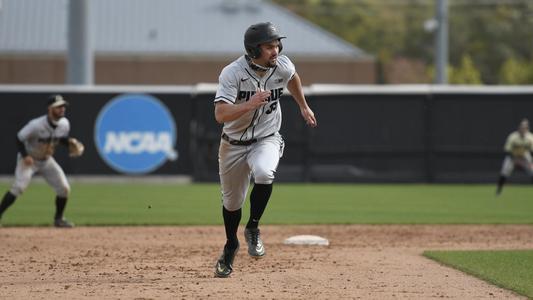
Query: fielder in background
(247, 102)
(36, 143)
(518, 149)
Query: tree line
(490, 42)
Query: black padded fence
(433, 136)
(20, 107)
(371, 134)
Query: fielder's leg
(54, 175)
(6, 202)
(507, 169)
(501, 182)
(528, 166)
(23, 175)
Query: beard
(272, 62)
(58, 115)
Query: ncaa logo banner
(135, 134)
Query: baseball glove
(75, 147)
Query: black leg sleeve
(501, 182)
(6, 202)
(258, 201)
(231, 224)
(61, 202)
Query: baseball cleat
(62, 223)
(224, 265)
(255, 244)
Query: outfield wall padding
(370, 134)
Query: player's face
(57, 113)
(523, 128)
(269, 54)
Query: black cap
(56, 101)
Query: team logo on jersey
(275, 94)
(135, 133)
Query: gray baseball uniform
(251, 144)
(40, 137)
(519, 147)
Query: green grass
(199, 204)
(507, 269)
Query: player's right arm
(22, 136)
(508, 144)
(226, 109)
(225, 112)
(28, 160)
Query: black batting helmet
(258, 34)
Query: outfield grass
(507, 269)
(199, 204)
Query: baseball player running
(36, 145)
(247, 102)
(518, 149)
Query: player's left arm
(295, 87)
(64, 141)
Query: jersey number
(272, 108)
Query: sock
(258, 202)
(231, 224)
(6, 202)
(501, 182)
(61, 202)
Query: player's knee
(232, 205)
(63, 191)
(264, 176)
(17, 189)
(232, 200)
(229, 206)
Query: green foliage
(200, 204)
(465, 73)
(489, 32)
(507, 269)
(383, 29)
(514, 71)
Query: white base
(306, 240)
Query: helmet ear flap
(253, 52)
(256, 51)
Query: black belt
(242, 143)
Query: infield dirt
(362, 262)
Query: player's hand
(309, 116)
(28, 160)
(259, 99)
